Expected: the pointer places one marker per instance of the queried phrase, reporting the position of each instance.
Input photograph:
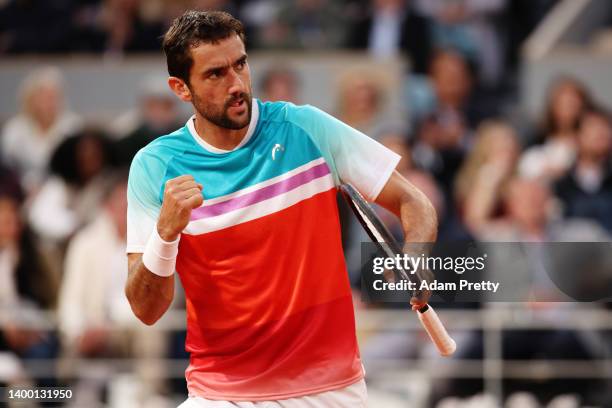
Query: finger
(178, 180)
(194, 201)
(186, 185)
(417, 303)
(187, 194)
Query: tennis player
(241, 202)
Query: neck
(564, 137)
(589, 161)
(44, 124)
(216, 136)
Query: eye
(214, 74)
(241, 64)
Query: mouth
(238, 104)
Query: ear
(180, 88)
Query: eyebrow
(210, 70)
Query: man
(249, 191)
(586, 191)
(157, 114)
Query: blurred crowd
(490, 176)
(488, 30)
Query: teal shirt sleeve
(353, 157)
(144, 199)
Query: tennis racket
(382, 237)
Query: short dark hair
(598, 112)
(192, 29)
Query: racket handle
(436, 331)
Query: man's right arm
(150, 295)
(150, 283)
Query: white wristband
(160, 256)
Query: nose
(236, 83)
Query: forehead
(595, 120)
(221, 53)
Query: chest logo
(277, 148)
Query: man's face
(595, 137)
(451, 79)
(528, 202)
(220, 83)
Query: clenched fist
(181, 195)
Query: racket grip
(436, 331)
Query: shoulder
(69, 121)
(16, 127)
(150, 164)
(578, 230)
(288, 112)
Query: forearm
(411, 205)
(418, 217)
(419, 222)
(149, 295)
(150, 288)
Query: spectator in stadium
(304, 24)
(360, 101)
(586, 191)
(440, 149)
(443, 134)
(157, 114)
(530, 217)
(555, 151)
(532, 272)
(486, 171)
(91, 296)
(280, 83)
(95, 319)
(469, 26)
(452, 80)
(127, 27)
(391, 27)
(72, 195)
(21, 23)
(28, 288)
(28, 139)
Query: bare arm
(419, 222)
(150, 295)
(417, 214)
